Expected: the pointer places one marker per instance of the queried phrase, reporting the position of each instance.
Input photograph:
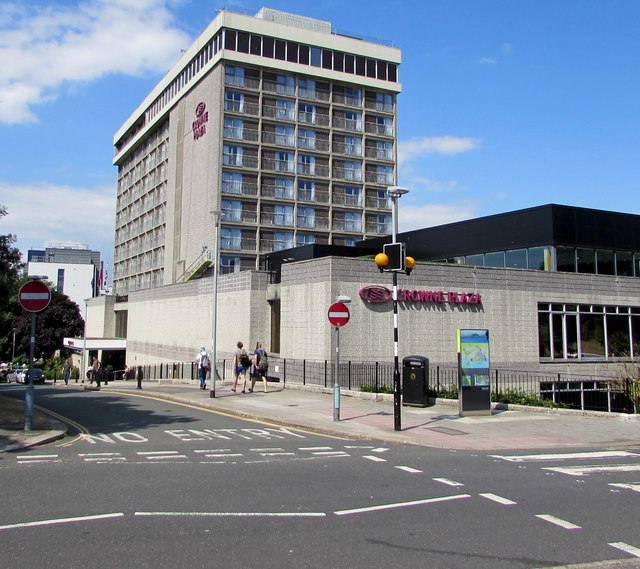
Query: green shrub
(371, 388)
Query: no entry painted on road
(34, 296)
(338, 314)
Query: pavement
(371, 416)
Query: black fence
(509, 386)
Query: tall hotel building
(285, 126)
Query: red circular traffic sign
(34, 296)
(338, 314)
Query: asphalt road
(147, 483)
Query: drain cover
(446, 431)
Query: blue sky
(506, 104)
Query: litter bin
(415, 380)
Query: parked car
(36, 374)
(16, 375)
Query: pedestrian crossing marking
(593, 469)
(566, 456)
(635, 486)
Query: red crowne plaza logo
(375, 294)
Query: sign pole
(336, 384)
(28, 397)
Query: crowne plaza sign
(376, 294)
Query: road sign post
(338, 316)
(34, 296)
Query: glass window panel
(267, 47)
(230, 39)
(586, 260)
(557, 336)
(635, 335)
(281, 48)
(495, 259)
(536, 258)
(327, 59)
(382, 70)
(292, 52)
(243, 42)
(544, 342)
(371, 68)
(338, 61)
(256, 45)
(477, 260)
(349, 63)
(303, 54)
(392, 72)
(592, 335)
(571, 335)
(624, 263)
(516, 258)
(316, 56)
(605, 262)
(565, 259)
(618, 341)
(360, 65)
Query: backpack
(245, 360)
(204, 361)
(263, 360)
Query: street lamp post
(217, 214)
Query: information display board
(474, 378)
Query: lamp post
(217, 214)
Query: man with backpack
(260, 367)
(241, 364)
(204, 364)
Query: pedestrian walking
(241, 363)
(66, 372)
(95, 372)
(260, 367)
(204, 363)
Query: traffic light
(396, 254)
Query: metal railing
(560, 389)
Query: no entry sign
(338, 314)
(34, 296)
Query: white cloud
(411, 216)
(488, 61)
(409, 150)
(39, 214)
(43, 48)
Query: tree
(10, 281)
(59, 320)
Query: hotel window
(232, 155)
(233, 128)
(282, 240)
(307, 113)
(285, 85)
(305, 239)
(384, 150)
(284, 162)
(234, 76)
(352, 221)
(307, 88)
(352, 171)
(352, 96)
(352, 195)
(284, 188)
(306, 191)
(494, 259)
(353, 145)
(384, 175)
(353, 120)
(232, 182)
(283, 215)
(588, 332)
(285, 135)
(306, 165)
(231, 210)
(233, 102)
(384, 102)
(229, 264)
(306, 217)
(230, 238)
(306, 138)
(384, 125)
(285, 110)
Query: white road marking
(400, 505)
(161, 454)
(34, 458)
(375, 458)
(331, 453)
(499, 499)
(596, 468)
(380, 449)
(557, 521)
(236, 514)
(448, 482)
(565, 456)
(315, 448)
(630, 549)
(408, 469)
(62, 521)
(635, 486)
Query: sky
(505, 104)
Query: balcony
(353, 125)
(313, 144)
(239, 160)
(241, 81)
(313, 195)
(375, 105)
(321, 170)
(347, 199)
(277, 219)
(240, 133)
(347, 225)
(314, 94)
(377, 203)
(270, 245)
(377, 228)
(348, 149)
(238, 244)
(278, 192)
(275, 165)
(241, 107)
(280, 88)
(380, 178)
(350, 100)
(239, 216)
(380, 129)
(240, 188)
(317, 119)
(279, 139)
(312, 222)
(280, 113)
(379, 153)
(349, 174)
